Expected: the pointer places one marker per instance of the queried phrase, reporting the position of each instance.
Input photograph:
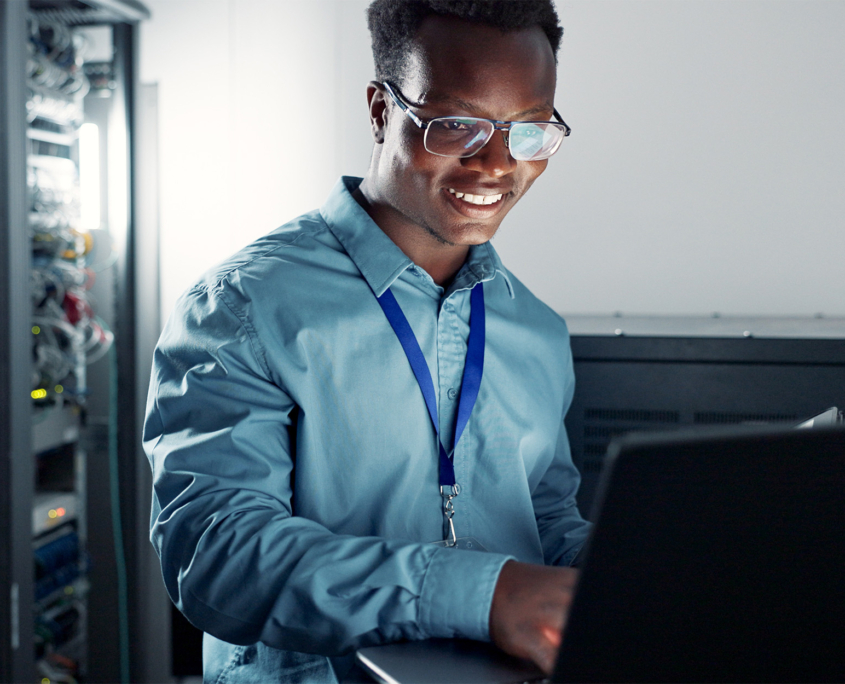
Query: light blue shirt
(296, 468)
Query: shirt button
(451, 393)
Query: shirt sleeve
(563, 531)
(235, 559)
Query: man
(302, 390)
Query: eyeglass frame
(503, 126)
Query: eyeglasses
(463, 136)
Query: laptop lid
(445, 661)
(717, 558)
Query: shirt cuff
(457, 593)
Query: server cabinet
(50, 334)
(696, 372)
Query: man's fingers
(551, 635)
(544, 654)
(530, 606)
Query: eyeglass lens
(534, 140)
(463, 137)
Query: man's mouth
(478, 200)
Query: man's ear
(377, 102)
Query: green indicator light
(59, 389)
(35, 330)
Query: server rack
(56, 465)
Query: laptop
(715, 557)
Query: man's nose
(494, 159)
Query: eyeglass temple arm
(404, 107)
(560, 119)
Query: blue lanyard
(473, 369)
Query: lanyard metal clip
(448, 493)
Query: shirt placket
(452, 333)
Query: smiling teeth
(476, 199)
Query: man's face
(464, 69)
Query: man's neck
(440, 260)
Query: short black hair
(394, 23)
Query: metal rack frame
(16, 466)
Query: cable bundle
(66, 332)
(54, 72)
(56, 564)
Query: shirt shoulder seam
(220, 277)
(254, 343)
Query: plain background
(705, 172)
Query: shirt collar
(482, 264)
(378, 258)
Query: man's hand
(530, 607)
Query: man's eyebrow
(433, 98)
(539, 109)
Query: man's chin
(465, 234)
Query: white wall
(705, 172)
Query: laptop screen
(715, 558)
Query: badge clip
(448, 493)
